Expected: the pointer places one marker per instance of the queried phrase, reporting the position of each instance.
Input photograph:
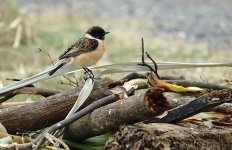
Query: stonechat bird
(85, 52)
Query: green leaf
(94, 143)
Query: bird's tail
(44, 75)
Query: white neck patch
(90, 37)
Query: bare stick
(72, 82)
(143, 63)
(187, 83)
(134, 75)
(142, 51)
(40, 50)
(156, 67)
(31, 90)
(63, 83)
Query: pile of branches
(111, 104)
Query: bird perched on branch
(85, 52)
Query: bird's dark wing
(83, 45)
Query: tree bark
(168, 136)
(141, 107)
(48, 110)
(135, 108)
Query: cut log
(48, 110)
(133, 109)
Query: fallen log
(169, 136)
(48, 110)
(133, 109)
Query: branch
(32, 90)
(210, 100)
(156, 67)
(14, 104)
(143, 63)
(135, 75)
(187, 83)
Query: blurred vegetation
(15, 27)
(54, 32)
(8, 10)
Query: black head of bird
(97, 32)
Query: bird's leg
(89, 73)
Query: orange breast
(90, 58)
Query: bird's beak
(107, 32)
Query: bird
(85, 52)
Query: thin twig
(63, 83)
(49, 56)
(156, 67)
(75, 78)
(142, 51)
(60, 142)
(71, 82)
(133, 75)
(145, 64)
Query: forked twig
(155, 71)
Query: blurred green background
(179, 30)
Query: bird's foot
(88, 73)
